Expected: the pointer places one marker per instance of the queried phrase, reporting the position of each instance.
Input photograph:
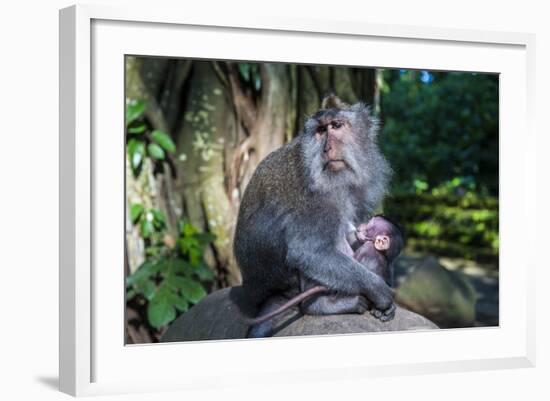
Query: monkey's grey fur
(295, 214)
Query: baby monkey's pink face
(382, 242)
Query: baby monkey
(375, 244)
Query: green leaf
(155, 151)
(195, 256)
(136, 152)
(143, 272)
(146, 228)
(148, 289)
(244, 69)
(164, 140)
(182, 266)
(130, 294)
(188, 230)
(204, 273)
(181, 304)
(158, 218)
(160, 311)
(190, 289)
(136, 127)
(205, 238)
(187, 243)
(134, 111)
(135, 212)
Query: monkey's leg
(335, 304)
(265, 327)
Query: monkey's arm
(336, 271)
(351, 236)
(353, 240)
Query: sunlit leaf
(146, 228)
(134, 110)
(136, 127)
(164, 140)
(135, 212)
(188, 230)
(136, 152)
(155, 151)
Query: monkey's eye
(337, 124)
(322, 129)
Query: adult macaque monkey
(298, 207)
(376, 245)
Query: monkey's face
(334, 135)
(340, 151)
(385, 235)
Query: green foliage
(155, 151)
(445, 223)
(164, 140)
(136, 152)
(134, 110)
(441, 138)
(142, 141)
(174, 274)
(150, 221)
(250, 74)
(439, 126)
(172, 278)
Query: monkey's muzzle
(335, 165)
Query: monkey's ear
(333, 102)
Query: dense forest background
(196, 130)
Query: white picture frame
(93, 357)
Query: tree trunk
(268, 132)
(208, 121)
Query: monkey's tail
(290, 303)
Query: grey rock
(222, 315)
(446, 297)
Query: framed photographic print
(251, 190)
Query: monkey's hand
(385, 315)
(385, 309)
(361, 233)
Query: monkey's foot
(384, 316)
(264, 329)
